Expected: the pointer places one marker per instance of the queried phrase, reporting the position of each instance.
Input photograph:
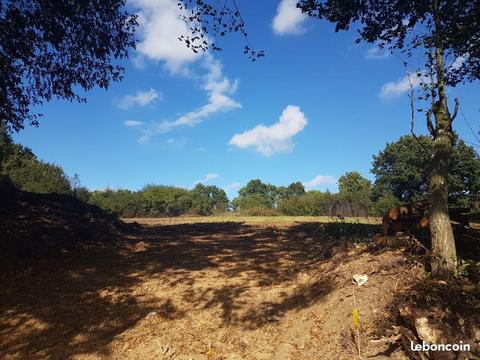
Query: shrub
(37, 176)
(119, 202)
(385, 203)
(164, 201)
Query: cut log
(414, 216)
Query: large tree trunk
(443, 256)
(443, 260)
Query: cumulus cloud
(275, 138)
(140, 98)
(394, 89)
(160, 26)
(219, 89)
(319, 180)
(375, 53)
(289, 18)
(207, 178)
(132, 123)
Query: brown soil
(219, 291)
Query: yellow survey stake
(355, 318)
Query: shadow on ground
(80, 299)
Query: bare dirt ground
(220, 290)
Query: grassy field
(254, 220)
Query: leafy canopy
(49, 49)
(402, 169)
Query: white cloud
(140, 98)
(208, 177)
(160, 27)
(219, 89)
(159, 30)
(275, 138)
(132, 123)
(375, 53)
(394, 89)
(319, 180)
(289, 18)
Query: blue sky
(316, 106)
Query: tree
(158, 200)
(353, 183)
(48, 49)
(120, 202)
(206, 199)
(266, 195)
(295, 189)
(402, 169)
(447, 31)
(355, 190)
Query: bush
(26, 172)
(40, 177)
(385, 203)
(251, 201)
(123, 203)
(207, 200)
(82, 194)
(164, 201)
(312, 203)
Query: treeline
(352, 199)
(162, 201)
(400, 171)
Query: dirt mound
(39, 224)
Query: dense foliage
(353, 198)
(25, 171)
(402, 170)
(51, 49)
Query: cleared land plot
(218, 290)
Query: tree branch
(455, 111)
(412, 113)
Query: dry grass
(254, 220)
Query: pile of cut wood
(413, 216)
